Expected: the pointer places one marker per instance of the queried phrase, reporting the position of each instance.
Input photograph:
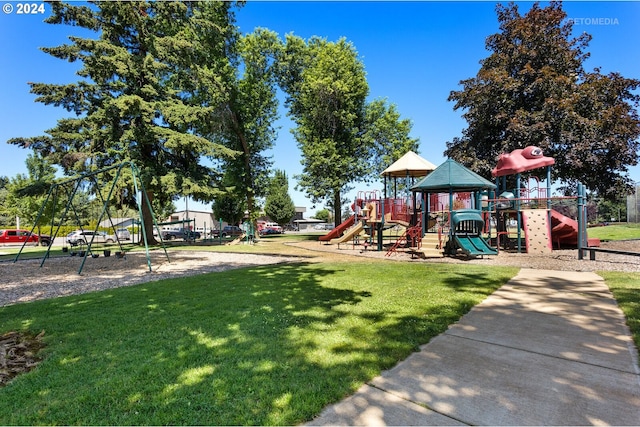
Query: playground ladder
(413, 234)
(402, 240)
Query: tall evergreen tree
(278, 205)
(142, 79)
(533, 90)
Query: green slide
(474, 245)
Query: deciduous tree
(533, 90)
(26, 194)
(387, 135)
(343, 139)
(327, 89)
(248, 114)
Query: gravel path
(566, 260)
(25, 281)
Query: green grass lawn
(626, 290)
(623, 231)
(264, 345)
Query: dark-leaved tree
(533, 90)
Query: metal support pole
(518, 213)
(580, 220)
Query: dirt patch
(18, 354)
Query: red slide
(564, 231)
(337, 232)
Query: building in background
(118, 222)
(204, 222)
(200, 221)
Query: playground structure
(530, 206)
(453, 211)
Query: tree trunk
(246, 152)
(147, 219)
(337, 208)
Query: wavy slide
(564, 231)
(474, 245)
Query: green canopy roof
(451, 176)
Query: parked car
(80, 237)
(323, 227)
(269, 230)
(274, 226)
(21, 236)
(123, 234)
(179, 233)
(229, 230)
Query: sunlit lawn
(626, 290)
(622, 231)
(265, 345)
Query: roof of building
(117, 222)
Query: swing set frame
(70, 187)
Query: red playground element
(564, 231)
(337, 232)
(521, 160)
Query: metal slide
(349, 234)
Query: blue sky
(414, 54)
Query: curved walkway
(548, 348)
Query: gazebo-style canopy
(452, 177)
(409, 165)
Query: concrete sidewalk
(548, 348)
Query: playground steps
(429, 248)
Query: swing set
(68, 189)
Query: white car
(80, 237)
(123, 234)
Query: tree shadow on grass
(262, 345)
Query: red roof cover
(521, 160)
